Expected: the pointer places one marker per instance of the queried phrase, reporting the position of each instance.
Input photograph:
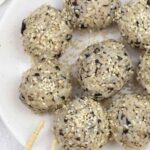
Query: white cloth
(7, 141)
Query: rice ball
(103, 69)
(130, 121)
(134, 23)
(45, 88)
(45, 34)
(81, 125)
(92, 14)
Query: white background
(7, 141)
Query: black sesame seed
(37, 74)
(137, 42)
(125, 54)
(145, 136)
(78, 138)
(23, 27)
(143, 118)
(30, 98)
(80, 77)
(65, 120)
(119, 58)
(61, 132)
(63, 97)
(128, 122)
(96, 61)
(57, 68)
(86, 89)
(83, 26)
(57, 55)
(128, 68)
(125, 131)
(96, 50)
(21, 97)
(122, 116)
(105, 5)
(30, 106)
(68, 37)
(98, 95)
(77, 15)
(131, 41)
(98, 120)
(43, 59)
(110, 89)
(47, 14)
(137, 23)
(117, 74)
(27, 79)
(96, 70)
(87, 55)
(67, 22)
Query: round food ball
(81, 125)
(130, 121)
(104, 68)
(45, 34)
(45, 88)
(143, 72)
(134, 23)
(92, 14)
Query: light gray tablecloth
(7, 141)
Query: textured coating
(45, 88)
(130, 121)
(45, 34)
(91, 14)
(82, 125)
(134, 23)
(104, 68)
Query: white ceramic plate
(13, 62)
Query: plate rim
(4, 120)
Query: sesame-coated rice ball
(45, 34)
(81, 125)
(143, 71)
(104, 68)
(93, 14)
(45, 88)
(134, 23)
(130, 121)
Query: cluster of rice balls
(103, 69)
